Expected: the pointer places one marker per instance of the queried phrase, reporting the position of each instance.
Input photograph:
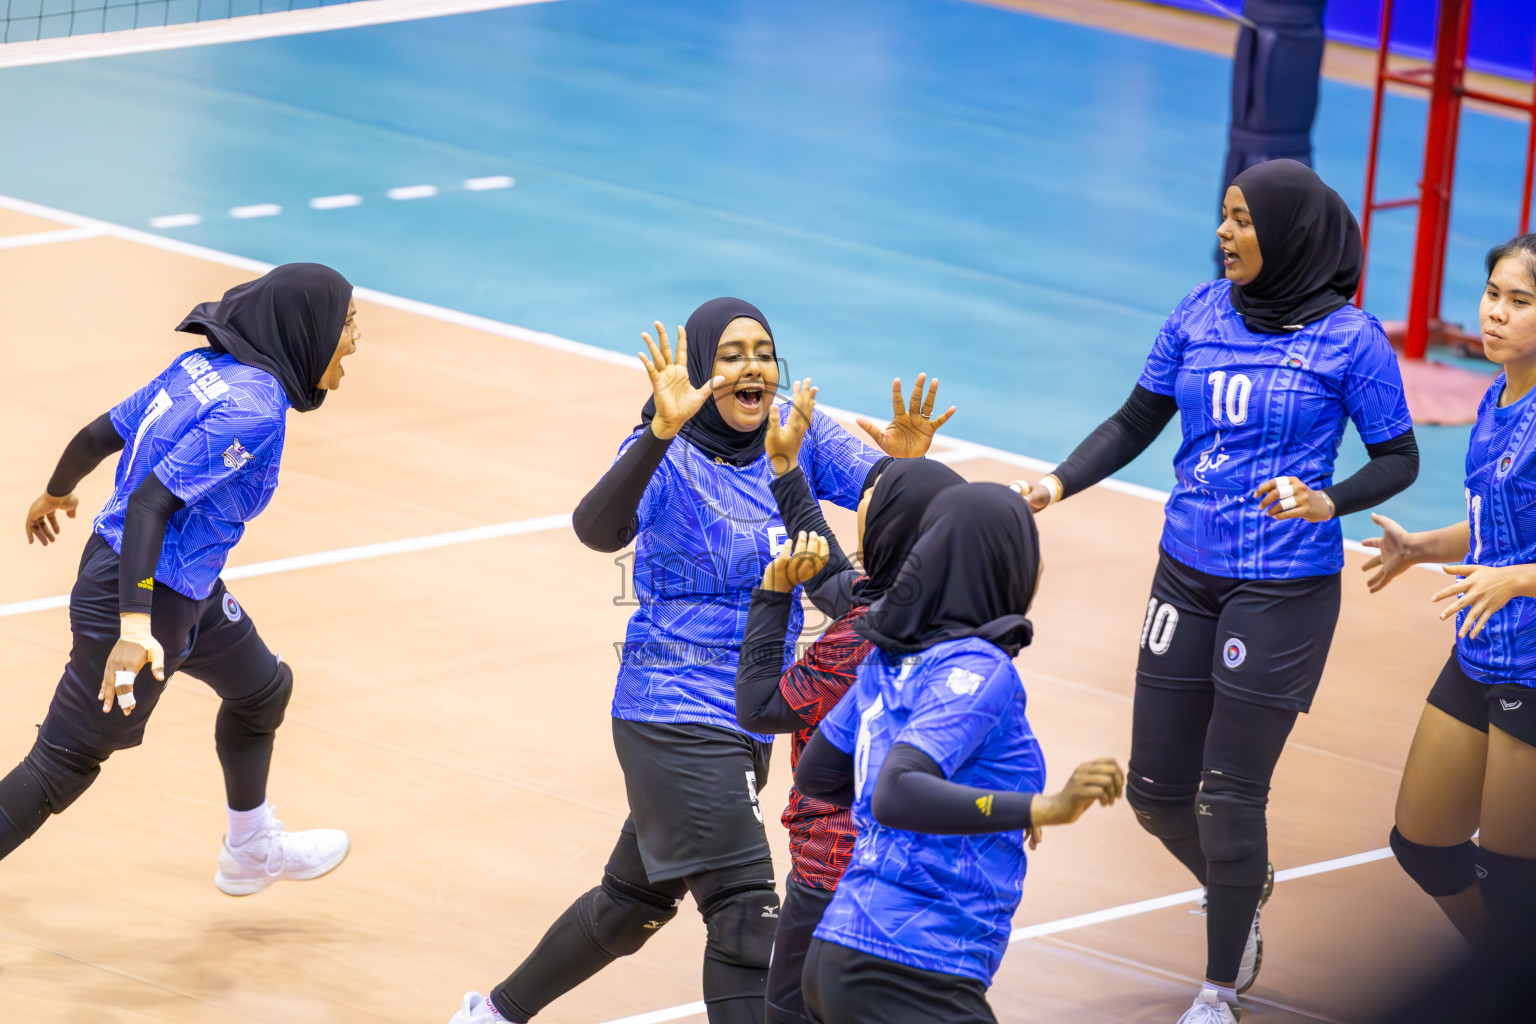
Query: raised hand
(782, 442)
(43, 517)
(1394, 552)
(795, 563)
(911, 429)
(677, 400)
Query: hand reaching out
(43, 517)
(911, 430)
(677, 400)
(1394, 552)
(1098, 781)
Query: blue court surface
(1008, 202)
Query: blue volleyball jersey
(1258, 406)
(707, 530)
(211, 428)
(939, 903)
(1501, 514)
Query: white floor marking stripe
(49, 237)
(333, 202)
(230, 30)
(175, 220)
(339, 555)
(482, 184)
(412, 192)
(658, 1016)
(255, 210)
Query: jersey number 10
(1229, 393)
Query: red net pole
(1439, 167)
(1530, 165)
(1368, 208)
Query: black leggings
(848, 986)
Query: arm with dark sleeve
(825, 772)
(1394, 465)
(608, 517)
(150, 507)
(1116, 441)
(831, 589)
(93, 443)
(913, 794)
(760, 706)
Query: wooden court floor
(451, 705)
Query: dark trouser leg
(846, 986)
(612, 920)
(48, 779)
(798, 918)
(741, 912)
(1242, 747)
(1167, 746)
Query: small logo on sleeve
(962, 682)
(235, 456)
(148, 584)
(1233, 653)
(984, 804)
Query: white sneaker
(1208, 1009)
(272, 855)
(1253, 952)
(477, 1010)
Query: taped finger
(1288, 502)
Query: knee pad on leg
(739, 921)
(1233, 834)
(1438, 870)
(620, 916)
(1167, 812)
(260, 713)
(61, 773)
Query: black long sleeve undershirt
(825, 773)
(150, 507)
(913, 794)
(1393, 467)
(85, 451)
(1117, 441)
(760, 704)
(608, 517)
(830, 590)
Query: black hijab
(287, 322)
(1310, 244)
(708, 429)
(901, 496)
(972, 572)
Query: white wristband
(1050, 483)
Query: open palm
(677, 400)
(911, 429)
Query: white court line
(1067, 924)
(333, 202)
(412, 192)
(49, 237)
(339, 555)
(231, 30)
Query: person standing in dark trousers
(690, 487)
(204, 443)
(1264, 369)
(821, 835)
(932, 749)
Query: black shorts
(846, 986)
(1509, 706)
(693, 795)
(212, 639)
(1262, 641)
(798, 918)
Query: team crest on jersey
(1294, 362)
(1233, 653)
(232, 610)
(1507, 461)
(235, 456)
(963, 682)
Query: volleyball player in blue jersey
(1263, 368)
(1472, 765)
(204, 444)
(691, 488)
(932, 749)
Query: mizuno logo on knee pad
(1204, 809)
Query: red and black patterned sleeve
(818, 680)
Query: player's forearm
(800, 511)
(606, 519)
(1117, 441)
(913, 794)
(149, 510)
(1393, 467)
(760, 706)
(85, 451)
(1447, 544)
(825, 772)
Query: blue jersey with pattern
(1258, 406)
(1501, 515)
(211, 428)
(707, 530)
(939, 903)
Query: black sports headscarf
(901, 496)
(287, 322)
(972, 572)
(708, 429)
(1310, 244)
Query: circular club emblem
(232, 610)
(1233, 653)
(1507, 461)
(1295, 363)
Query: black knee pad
(739, 921)
(1438, 870)
(1233, 834)
(619, 916)
(262, 712)
(1168, 812)
(62, 773)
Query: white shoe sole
(1258, 957)
(250, 886)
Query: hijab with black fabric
(287, 322)
(1310, 244)
(972, 572)
(896, 508)
(707, 429)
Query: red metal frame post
(1439, 171)
(1369, 206)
